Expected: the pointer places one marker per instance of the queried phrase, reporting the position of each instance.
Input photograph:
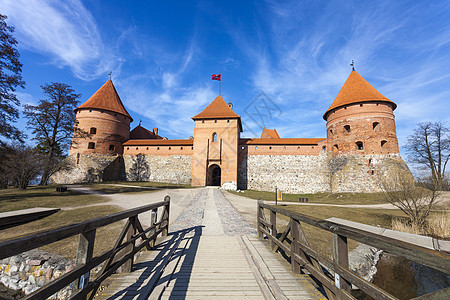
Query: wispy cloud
(65, 31)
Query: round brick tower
(361, 120)
(102, 124)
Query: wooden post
(84, 255)
(295, 266)
(273, 224)
(258, 217)
(340, 257)
(128, 265)
(166, 216)
(153, 218)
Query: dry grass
(105, 236)
(44, 196)
(326, 198)
(437, 225)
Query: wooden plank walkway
(212, 253)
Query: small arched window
(214, 137)
(93, 130)
(335, 147)
(347, 128)
(383, 143)
(360, 145)
(324, 148)
(78, 158)
(91, 145)
(376, 126)
(111, 147)
(331, 131)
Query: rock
(49, 273)
(8, 270)
(14, 269)
(22, 267)
(13, 285)
(28, 290)
(57, 274)
(39, 272)
(41, 282)
(23, 284)
(32, 280)
(34, 262)
(5, 280)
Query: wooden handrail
(303, 256)
(85, 261)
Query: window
(128, 148)
(270, 147)
(215, 121)
(181, 148)
(203, 121)
(331, 131)
(170, 148)
(228, 121)
(347, 128)
(192, 148)
(361, 105)
(376, 125)
(383, 143)
(335, 147)
(360, 145)
(256, 147)
(111, 147)
(77, 123)
(242, 147)
(147, 148)
(91, 145)
(324, 148)
(137, 148)
(157, 148)
(214, 137)
(78, 158)
(93, 130)
(370, 162)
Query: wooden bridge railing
(302, 255)
(132, 239)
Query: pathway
(212, 252)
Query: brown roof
(155, 142)
(141, 133)
(218, 109)
(270, 134)
(280, 141)
(106, 98)
(356, 89)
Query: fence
(121, 254)
(324, 269)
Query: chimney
(155, 131)
(230, 105)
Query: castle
(361, 144)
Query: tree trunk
(45, 174)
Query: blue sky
(297, 53)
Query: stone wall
(311, 174)
(289, 173)
(172, 169)
(362, 173)
(89, 168)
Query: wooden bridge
(194, 263)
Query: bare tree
(415, 199)
(22, 165)
(10, 79)
(429, 147)
(52, 123)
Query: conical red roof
(356, 89)
(106, 98)
(216, 110)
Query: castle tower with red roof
(102, 124)
(216, 145)
(361, 120)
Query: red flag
(215, 77)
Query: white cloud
(65, 31)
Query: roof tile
(106, 98)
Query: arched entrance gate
(214, 173)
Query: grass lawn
(326, 198)
(43, 196)
(113, 188)
(105, 236)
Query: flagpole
(220, 87)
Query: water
(405, 279)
